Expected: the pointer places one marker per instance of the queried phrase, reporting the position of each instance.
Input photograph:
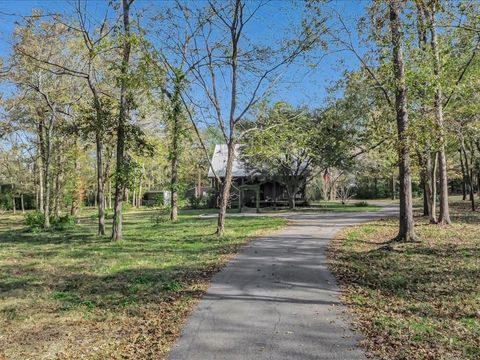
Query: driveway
(277, 299)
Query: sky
(302, 85)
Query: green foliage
(196, 202)
(207, 201)
(5, 201)
(126, 206)
(63, 223)
(159, 199)
(361, 204)
(160, 218)
(34, 220)
(162, 215)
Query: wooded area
(135, 134)
(98, 112)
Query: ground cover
(70, 294)
(414, 301)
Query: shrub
(63, 222)
(126, 206)
(6, 201)
(211, 199)
(159, 219)
(34, 220)
(159, 199)
(361, 204)
(197, 202)
(162, 216)
(108, 214)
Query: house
(250, 187)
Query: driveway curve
(277, 299)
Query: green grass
(331, 206)
(415, 301)
(72, 294)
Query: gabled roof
(219, 162)
(240, 168)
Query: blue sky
(303, 85)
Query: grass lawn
(351, 206)
(331, 206)
(414, 301)
(71, 294)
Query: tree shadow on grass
(108, 291)
(415, 274)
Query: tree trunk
(58, 184)
(122, 118)
(39, 167)
(226, 187)
(77, 195)
(469, 171)
(22, 204)
(176, 146)
(432, 180)
(199, 183)
(45, 150)
(100, 198)
(392, 187)
(292, 191)
(464, 179)
(478, 184)
(406, 226)
(291, 202)
(35, 184)
(427, 175)
(472, 190)
(444, 216)
(425, 195)
(140, 188)
(14, 205)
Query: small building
(250, 187)
(156, 198)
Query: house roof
(219, 162)
(240, 168)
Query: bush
(63, 222)
(361, 204)
(162, 216)
(197, 202)
(126, 207)
(6, 201)
(34, 220)
(212, 200)
(159, 199)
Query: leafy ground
(414, 301)
(71, 294)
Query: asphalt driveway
(277, 299)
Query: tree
(48, 94)
(253, 69)
(444, 215)
(125, 98)
(279, 147)
(406, 230)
